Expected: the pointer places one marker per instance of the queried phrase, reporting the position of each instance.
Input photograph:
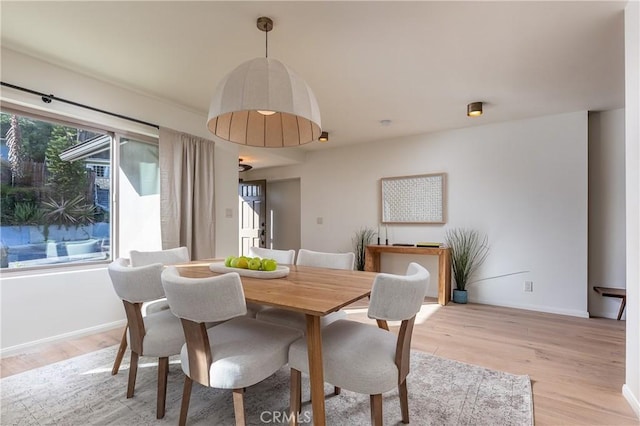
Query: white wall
(60, 303)
(631, 388)
(524, 183)
(283, 213)
(607, 262)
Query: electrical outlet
(528, 286)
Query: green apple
(242, 263)
(228, 260)
(255, 264)
(234, 262)
(269, 265)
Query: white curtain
(187, 207)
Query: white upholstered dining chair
(235, 354)
(320, 260)
(326, 260)
(166, 257)
(364, 358)
(281, 256)
(158, 334)
(143, 258)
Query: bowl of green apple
(255, 267)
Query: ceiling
(416, 63)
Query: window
(139, 196)
(56, 192)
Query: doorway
(252, 197)
(283, 214)
(269, 215)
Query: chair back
(399, 297)
(326, 260)
(210, 299)
(166, 257)
(136, 284)
(280, 256)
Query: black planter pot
(460, 296)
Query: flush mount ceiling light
(324, 137)
(474, 109)
(263, 103)
(243, 167)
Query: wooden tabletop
(314, 291)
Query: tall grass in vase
(469, 249)
(362, 238)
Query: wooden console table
(372, 263)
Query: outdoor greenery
(363, 237)
(28, 214)
(13, 196)
(469, 249)
(62, 196)
(34, 135)
(74, 211)
(66, 178)
(16, 156)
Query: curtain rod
(48, 98)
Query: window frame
(116, 134)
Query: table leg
(371, 260)
(316, 373)
(444, 280)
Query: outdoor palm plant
(74, 211)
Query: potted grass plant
(362, 238)
(469, 250)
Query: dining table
(314, 292)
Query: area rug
(82, 391)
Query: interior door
(253, 215)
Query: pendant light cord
(266, 44)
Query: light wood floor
(576, 365)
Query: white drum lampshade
(263, 103)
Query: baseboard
(631, 399)
(537, 308)
(23, 347)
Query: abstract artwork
(414, 199)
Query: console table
(372, 263)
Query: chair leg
(376, 409)
(295, 395)
(121, 350)
(133, 370)
(186, 396)
(404, 401)
(383, 324)
(337, 390)
(163, 372)
(238, 406)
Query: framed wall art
(414, 199)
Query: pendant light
(263, 103)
